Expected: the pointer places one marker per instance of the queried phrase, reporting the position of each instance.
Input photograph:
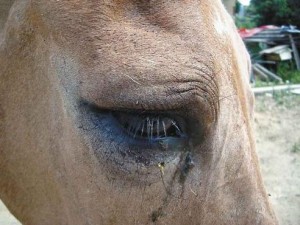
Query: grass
(287, 71)
(260, 83)
(296, 147)
(283, 99)
(280, 97)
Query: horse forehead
(112, 18)
(119, 24)
(113, 9)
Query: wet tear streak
(186, 167)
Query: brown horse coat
(79, 79)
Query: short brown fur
(57, 168)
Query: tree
(276, 12)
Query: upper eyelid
(169, 113)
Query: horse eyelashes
(156, 128)
(150, 127)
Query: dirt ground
(277, 130)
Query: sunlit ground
(5, 217)
(277, 127)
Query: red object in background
(244, 33)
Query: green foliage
(246, 22)
(276, 12)
(288, 72)
(250, 18)
(260, 83)
(296, 147)
(265, 12)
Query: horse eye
(149, 126)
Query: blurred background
(270, 31)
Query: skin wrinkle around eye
(171, 96)
(139, 84)
(184, 93)
(205, 94)
(204, 86)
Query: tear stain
(2, 116)
(185, 165)
(1, 112)
(156, 214)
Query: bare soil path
(277, 130)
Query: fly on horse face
(126, 112)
